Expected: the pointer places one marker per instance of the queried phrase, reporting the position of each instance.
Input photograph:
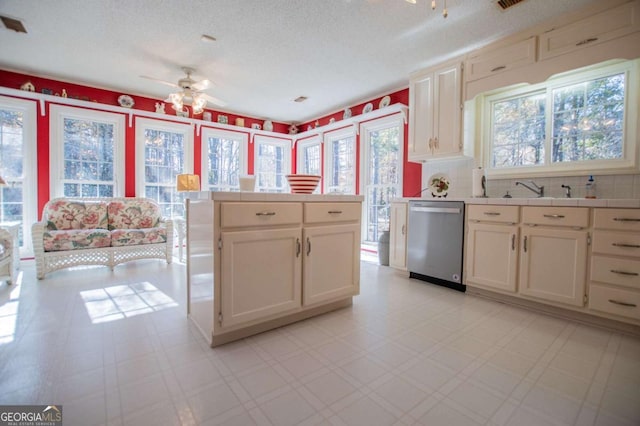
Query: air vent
(506, 4)
(13, 24)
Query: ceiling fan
(191, 91)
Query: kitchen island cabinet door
(260, 274)
(331, 269)
(553, 265)
(398, 236)
(492, 256)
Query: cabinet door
(398, 236)
(447, 99)
(331, 267)
(503, 59)
(420, 114)
(492, 256)
(553, 265)
(260, 274)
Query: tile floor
(116, 348)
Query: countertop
(277, 197)
(560, 202)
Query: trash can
(383, 248)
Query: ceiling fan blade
(213, 100)
(161, 81)
(201, 85)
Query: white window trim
(29, 167)
(347, 132)
(143, 124)
(301, 145)
(284, 143)
(208, 132)
(630, 163)
(57, 115)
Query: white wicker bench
(6, 256)
(100, 231)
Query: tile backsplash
(459, 173)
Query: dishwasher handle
(450, 210)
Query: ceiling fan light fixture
(198, 103)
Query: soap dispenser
(590, 188)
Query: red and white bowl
(303, 184)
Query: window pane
(11, 166)
(224, 164)
(588, 120)
(341, 165)
(164, 160)
(518, 131)
(271, 167)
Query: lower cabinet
(553, 264)
(398, 236)
(260, 274)
(331, 267)
(492, 256)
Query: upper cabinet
(435, 107)
(604, 26)
(501, 59)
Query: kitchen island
(257, 261)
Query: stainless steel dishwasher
(435, 242)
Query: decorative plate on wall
(125, 101)
(384, 102)
(347, 113)
(367, 108)
(439, 185)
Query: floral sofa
(6, 256)
(100, 231)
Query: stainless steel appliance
(435, 242)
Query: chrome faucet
(538, 190)
(567, 190)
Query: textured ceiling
(267, 53)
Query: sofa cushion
(134, 237)
(76, 214)
(75, 239)
(4, 253)
(133, 213)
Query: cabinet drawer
(501, 59)
(491, 213)
(331, 212)
(595, 29)
(234, 215)
(617, 243)
(617, 301)
(617, 219)
(625, 272)
(576, 217)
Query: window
(87, 153)
(272, 163)
(340, 161)
(164, 150)
(309, 158)
(382, 141)
(574, 123)
(18, 167)
(224, 159)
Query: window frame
(206, 133)
(279, 142)
(57, 115)
(314, 140)
(346, 132)
(629, 162)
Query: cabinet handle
(632, 274)
(513, 242)
(625, 219)
(586, 41)
(298, 247)
(554, 216)
(266, 214)
(335, 211)
(525, 244)
(437, 142)
(492, 213)
(431, 144)
(501, 67)
(617, 302)
(308, 246)
(403, 229)
(625, 245)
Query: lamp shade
(2, 181)
(187, 182)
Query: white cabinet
(331, 268)
(398, 236)
(492, 247)
(260, 274)
(608, 25)
(435, 113)
(500, 59)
